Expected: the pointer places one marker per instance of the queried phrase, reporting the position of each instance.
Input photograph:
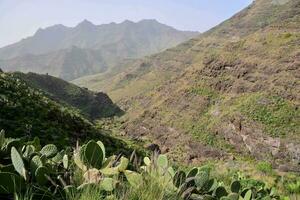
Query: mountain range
(72, 52)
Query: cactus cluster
(51, 173)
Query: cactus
(233, 196)
(78, 161)
(35, 163)
(220, 192)
(40, 175)
(10, 183)
(123, 164)
(103, 148)
(66, 161)
(179, 178)
(50, 150)
(29, 150)
(107, 184)
(2, 139)
(12, 143)
(93, 155)
(210, 185)
(248, 195)
(147, 161)
(235, 186)
(18, 163)
(58, 158)
(201, 178)
(193, 172)
(162, 161)
(134, 179)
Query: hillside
(91, 104)
(72, 52)
(232, 92)
(27, 113)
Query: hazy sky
(21, 18)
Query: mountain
(232, 92)
(91, 104)
(70, 53)
(27, 112)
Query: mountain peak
(85, 24)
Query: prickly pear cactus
(220, 192)
(101, 145)
(18, 163)
(2, 139)
(134, 178)
(123, 164)
(201, 178)
(193, 172)
(66, 161)
(147, 161)
(50, 150)
(29, 150)
(162, 161)
(93, 155)
(35, 163)
(107, 184)
(235, 186)
(179, 178)
(41, 174)
(233, 196)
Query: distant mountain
(70, 53)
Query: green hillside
(91, 104)
(232, 92)
(27, 113)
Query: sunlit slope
(233, 90)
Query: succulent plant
(41, 174)
(147, 161)
(220, 192)
(134, 178)
(50, 150)
(35, 163)
(201, 178)
(107, 184)
(162, 161)
(18, 163)
(66, 161)
(93, 155)
(235, 186)
(179, 178)
(29, 150)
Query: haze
(20, 19)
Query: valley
(141, 110)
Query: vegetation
(30, 171)
(91, 104)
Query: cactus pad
(50, 150)
(17, 162)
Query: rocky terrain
(231, 92)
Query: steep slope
(26, 112)
(87, 48)
(91, 104)
(234, 90)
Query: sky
(21, 18)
